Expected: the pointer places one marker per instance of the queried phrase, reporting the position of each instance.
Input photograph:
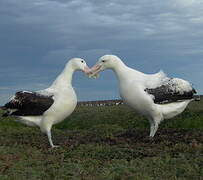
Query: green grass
(105, 143)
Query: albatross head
(104, 62)
(79, 64)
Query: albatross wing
(172, 90)
(26, 103)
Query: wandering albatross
(155, 96)
(49, 106)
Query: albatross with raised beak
(156, 96)
(47, 107)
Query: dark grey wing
(165, 94)
(26, 103)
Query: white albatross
(47, 107)
(153, 95)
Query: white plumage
(50, 106)
(154, 95)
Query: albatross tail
(172, 109)
(30, 120)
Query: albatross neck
(65, 78)
(123, 72)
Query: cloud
(4, 88)
(40, 36)
(59, 55)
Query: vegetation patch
(105, 143)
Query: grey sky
(38, 37)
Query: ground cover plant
(105, 143)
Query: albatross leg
(153, 127)
(50, 139)
(156, 125)
(45, 126)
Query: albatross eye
(82, 61)
(103, 61)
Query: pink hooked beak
(87, 70)
(95, 70)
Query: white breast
(64, 104)
(134, 96)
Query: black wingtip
(194, 91)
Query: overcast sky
(37, 37)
